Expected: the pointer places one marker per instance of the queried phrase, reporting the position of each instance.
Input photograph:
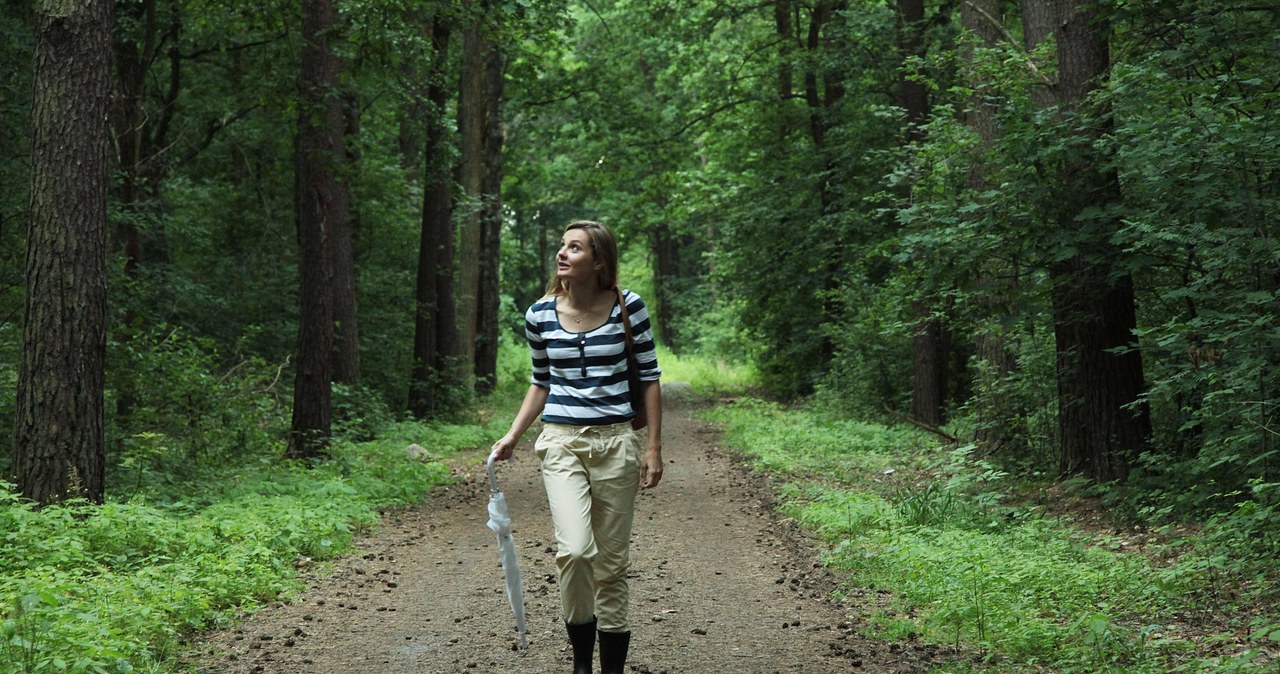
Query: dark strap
(626, 320)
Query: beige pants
(592, 474)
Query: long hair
(604, 248)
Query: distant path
(719, 584)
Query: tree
(471, 165)
(984, 21)
(58, 436)
(486, 368)
(930, 343)
(317, 153)
(1102, 420)
(342, 248)
(435, 341)
(141, 130)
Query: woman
(592, 464)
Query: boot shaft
(613, 651)
(583, 639)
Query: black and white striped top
(586, 372)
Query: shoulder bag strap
(626, 320)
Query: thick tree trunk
(1100, 377)
(319, 146)
(435, 324)
(59, 450)
(471, 109)
(491, 224)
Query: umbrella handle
(493, 477)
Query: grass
(968, 566)
(708, 376)
(115, 588)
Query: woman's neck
(583, 296)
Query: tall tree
(140, 127)
(342, 247)
(984, 21)
(1102, 421)
(435, 341)
(930, 344)
(58, 435)
(471, 128)
(486, 368)
(317, 152)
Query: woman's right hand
(503, 448)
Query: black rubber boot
(613, 651)
(583, 638)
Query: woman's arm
(651, 464)
(534, 400)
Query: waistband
(604, 431)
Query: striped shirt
(586, 372)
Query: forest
(262, 238)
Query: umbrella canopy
(500, 523)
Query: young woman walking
(592, 460)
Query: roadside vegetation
(210, 520)
(1024, 572)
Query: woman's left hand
(651, 468)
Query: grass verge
(971, 561)
(115, 588)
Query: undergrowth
(968, 563)
(115, 588)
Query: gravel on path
(720, 582)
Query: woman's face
(575, 261)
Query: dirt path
(719, 583)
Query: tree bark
(316, 156)
(140, 127)
(471, 109)
(930, 344)
(491, 224)
(59, 446)
(996, 415)
(346, 325)
(1102, 423)
(435, 324)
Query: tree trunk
(491, 230)
(1100, 377)
(59, 446)
(996, 417)
(823, 91)
(140, 128)
(342, 246)
(318, 148)
(471, 111)
(929, 346)
(435, 324)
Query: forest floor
(720, 582)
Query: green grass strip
(930, 524)
(115, 588)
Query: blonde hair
(604, 248)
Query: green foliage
(967, 565)
(707, 374)
(173, 409)
(114, 588)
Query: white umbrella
(500, 523)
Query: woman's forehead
(578, 235)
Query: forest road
(719, 582)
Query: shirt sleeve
(537, 351)
(642, 339)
